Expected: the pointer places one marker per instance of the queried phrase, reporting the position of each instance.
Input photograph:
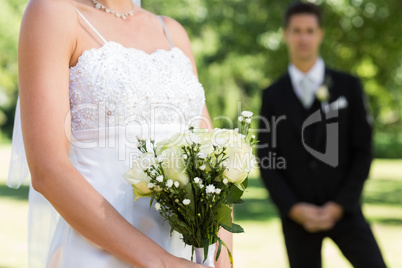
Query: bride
(93, 75)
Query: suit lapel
(292, 105)
(322, 131)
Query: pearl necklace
(117, 14)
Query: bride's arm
(47, 41)
(181, 40)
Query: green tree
(239, 51)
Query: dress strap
(166, 31)
(92, 27)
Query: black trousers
(352, 234)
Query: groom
(315, 119)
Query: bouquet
(193, 179)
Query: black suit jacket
(306, 178)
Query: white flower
(202, 155)
(210, 189)
(185, 156)
(201, 185)
(197, 180)
(247, 114)
(174, 166)
(240, 118)
(186, 202)
(158, 207)
(194, 138)
(216, 141)
(159, 178)
(322, 93)
(239, 161)
(248, 120)
(151, 185)
(177, 140)
(159, 159)
(176, 184)
(138, 178)
(169, 183)
(202, 167)
(225, 181)
(218, 191)
(253, 136)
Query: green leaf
(234, 228)
(234, 195)
(218, 253)
(229, 253)
(152, 200)
(239, 201)
(236, 192)
(206, 245)
(190, 195)
(223, 215)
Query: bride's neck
(117, 5)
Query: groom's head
(302, 31)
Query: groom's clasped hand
(315, 218)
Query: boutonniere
(322, 94)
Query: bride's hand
(183, 263)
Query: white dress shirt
(315, 75)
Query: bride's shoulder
(47, 8)
(180, 37)
(43, 15)
(48, 28)
(176, 30)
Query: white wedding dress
(116, 94)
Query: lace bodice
(114, 85)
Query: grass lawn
(262, 244)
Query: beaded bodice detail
(117, 86)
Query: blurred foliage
(239, 51)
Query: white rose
(158, 207)
(218, 191)
(176, 140)
(174, 166)
(248, 120)
(240, 118)
(202, 167)
(138, 178)
(239, 160)
(186, 202)
(206, 147)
